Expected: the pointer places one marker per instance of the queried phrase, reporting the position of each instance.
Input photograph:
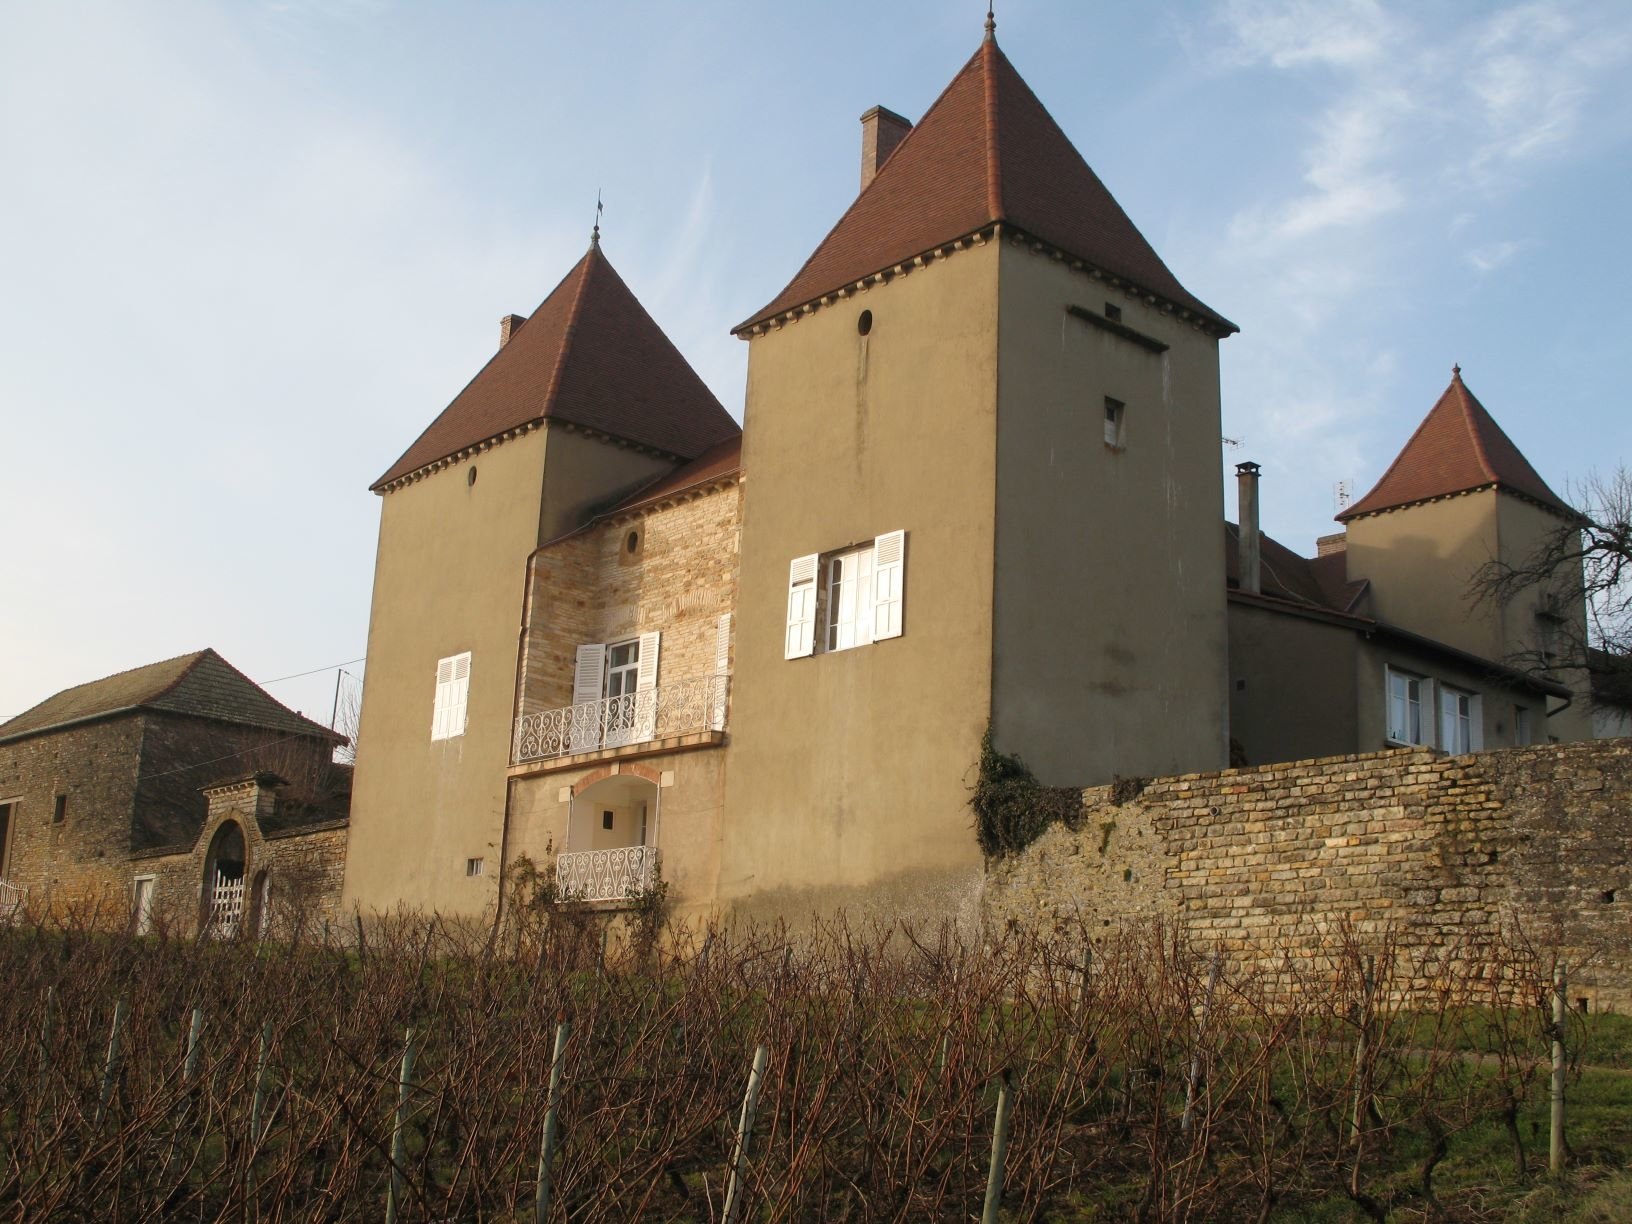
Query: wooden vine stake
(399, 1124)
(735, 1193)
(1196, 1059)
(546, 1144)
(1000, 1148)
(110, 1067)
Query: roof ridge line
(994, 162)
(570, 330)
(1472, 422)
(198, 657)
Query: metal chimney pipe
(1246, 481)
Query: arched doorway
(611, 848)
(223, 893)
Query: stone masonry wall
(303, 868)
(677, 580)
(1411, 845)
(79, 862)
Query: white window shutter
(452, 688)
(439, 706)
(589, 673)
(801, 639)
(646, 673)
(459, 695)
(646, 688)
(584, 731)
(722, 666)
(722, 645)
(889, 572)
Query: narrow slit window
(1115, 423)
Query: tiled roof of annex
(1457, 448)
(986, 151)
(590, 356)
(201, 684)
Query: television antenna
(1343, 494)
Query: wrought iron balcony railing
(11, 902)
(606, 875)
(679, 708)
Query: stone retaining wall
(1411, 845)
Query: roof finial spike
(595, 234)
(991, 21)
(1456, 370)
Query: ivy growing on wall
(1011, 807)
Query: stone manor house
(978, 485)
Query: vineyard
(407, 1077)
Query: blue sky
(249, 250)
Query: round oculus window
(864, 322)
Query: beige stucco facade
(847, 771)
(1421, 561)
(450, 574)
(1108, 598)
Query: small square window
(606, 820)
(475, 867)
(60, 812)
(1113, 312)
(1115, 423)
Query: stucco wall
(689, 789)
(846, 771)
(1292, 685)
(449, 577)
(1425, 848)
(1420, 560)
(1109, 632)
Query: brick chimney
(1246, 484)
(508, 326)
(1330, 545)
(881, 131)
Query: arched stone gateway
(611, 849)
(223, 885)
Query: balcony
(606, 875)
(691, 707)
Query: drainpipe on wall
(1246, 478)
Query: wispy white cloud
(1492, 256)
(1299, 33)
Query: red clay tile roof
(716, 461)
(986, 151)
(590, 355)
(201, 684)
(1457, 448)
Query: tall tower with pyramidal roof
(982, 442)
(1460, 494)
(584, 401)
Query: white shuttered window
(801, 638)
(889, 573)
(452, 696)
(859, 594)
